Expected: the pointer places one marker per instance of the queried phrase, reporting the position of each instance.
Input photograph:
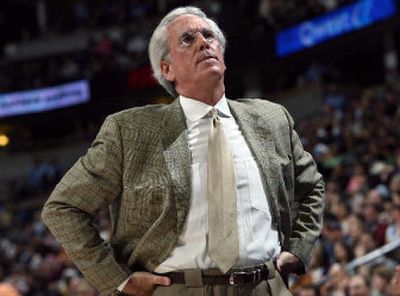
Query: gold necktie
(223, 242)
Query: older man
(207, 196)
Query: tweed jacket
(140, 167)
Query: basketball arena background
(65, 65)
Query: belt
(238, 277)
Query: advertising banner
(44, 99)
(328, 26)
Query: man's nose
(202, 42)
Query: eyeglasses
(188, 38)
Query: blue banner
(344, 20)
(44, 99)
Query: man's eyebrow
(186, 33)
(191, 31)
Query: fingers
(144, 283)
(278, 264)
(287, 262)
(161, 280)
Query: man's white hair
(158, 47)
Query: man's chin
(214, 70)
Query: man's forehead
(187, 22)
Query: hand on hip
(144, 283)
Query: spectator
(306, 291)
(380, 281)
(343, 253)
(394, 288)
(393, 230)
(355, 231)
(358, 286)
(336, 283)
(332, 234)
(370, 213)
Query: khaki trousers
(194, 287)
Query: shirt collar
(195, 109)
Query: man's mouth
(205, 58)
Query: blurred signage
(44, 99)
(344, 20)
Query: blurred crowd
(31, 260)
(107, 61)
(41, 177)
(355, 141)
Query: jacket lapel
(178, 158)
(259, 137)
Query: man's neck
(207, 95)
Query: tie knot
(213, 112)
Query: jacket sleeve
(309, 196)
(92, 183)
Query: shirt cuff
(122, 286)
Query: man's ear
(167, 71)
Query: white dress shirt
(258, 242)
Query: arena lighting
(44, 99)
(328, 26)
(4, 140)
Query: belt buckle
(234, 276)
(253, 276)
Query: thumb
(161, 280)
(278, 263)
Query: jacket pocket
(142, 205)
